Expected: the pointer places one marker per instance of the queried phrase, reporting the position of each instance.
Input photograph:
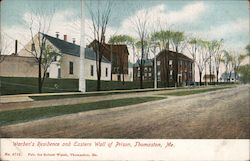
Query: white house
(67, 64)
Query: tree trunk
(176, 62)
(141, 78)
(142, 64)
(99, 76)
(40, 75)
(230, 76)
(235, 74)
(217, 75)
(210, 70)
(200, 77)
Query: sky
(210, 19)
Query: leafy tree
(248, 49)
(244, 73)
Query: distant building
(207, 77)
(229, 77)
(167, 69)
(64, 66)
(118, 55)
(148, 70)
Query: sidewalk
(26, 97)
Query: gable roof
(172, 53)
(118, 48)
(147, 62)
(73, 49)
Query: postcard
(124, 80)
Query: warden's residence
(172, 69)
(66, 65)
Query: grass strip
(50, 97)
(25, 115)
(195, 91)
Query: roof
(227, 75)
(147, 62)
(73, 49)
(179, 55)
(118, 48)
(207, 76)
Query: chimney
(65, 37)
(57, 34)
(74, 40)
(16, 47)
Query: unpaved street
(219, 114)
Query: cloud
(160, 16)
(60, 23)
(235, 33)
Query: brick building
(117, 54)
(173, 69)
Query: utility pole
(155, 70)
(82, 81)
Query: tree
(198, 50)
(244, 72)
(236, 61)
(4, 47)
(178, 44)
(214, 50)
(100, 18)
(141, 26)
(248, 49)
(227, 60)
(163, 37)
(40, 22)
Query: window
(146, 74)
(171, 74)
(158, 62)
(32, 47)
(149, 74)
(71, 68)
(149, 69)
(106, 72)
(170, 63)
(145, 69)
(159, 76)
(92, 70)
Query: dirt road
(219, 114)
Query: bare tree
(4, 46)
(200, 55)
(214, 54)
(236, 62)
(227, 60)
(218, 57)
(141, 25)
(40, 22)
(178, 43)
(100, 17)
